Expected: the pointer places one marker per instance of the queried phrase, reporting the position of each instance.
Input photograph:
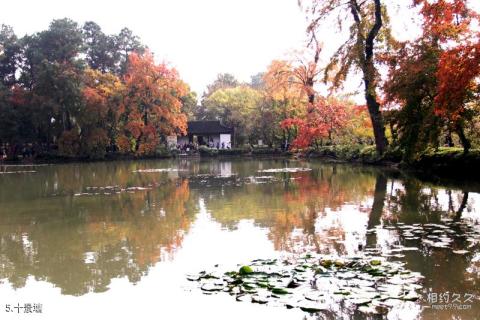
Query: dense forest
(83, 92)
(74, 91)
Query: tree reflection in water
(330, 209)
(80, 243)
(56, 228)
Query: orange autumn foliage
(123, 144)
(450, 23)
(444, 19)
(134, 113)
(323, 118)
(102, 95)
(457, 71)
(152, 104)
(69, 143)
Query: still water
(117, 239)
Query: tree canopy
(76, 91)
(86, 92)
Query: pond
(118, 239)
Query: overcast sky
(200, 38)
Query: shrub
(206, 151)
(369, 153)
(163, 152)
(266, 150)
(233, 152)
(69, 144)
(95, 144)
(125, 145)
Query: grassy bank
(449, 162)
(160, 153)
(442, 161)
(354, 153)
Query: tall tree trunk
(393, 131)
(377, 121)
(311, 74)
(448, 139)
(311, 93)
(368, 70)
(463, 138)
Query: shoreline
(450, 164)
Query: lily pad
(360, 301)
(211, 287)
(313, 307)
(375, 262)
(309, 281)
(245, 270)
(280, 291)
(259, 299)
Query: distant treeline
(75, 91)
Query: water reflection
(80, 226)
(80, 243)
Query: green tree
(189, 103)
(235, 107)
(223, 81)
(10, 54)
(412, 84)
(52, 72)
(12, 128)
(101, 49)
(126, 43)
